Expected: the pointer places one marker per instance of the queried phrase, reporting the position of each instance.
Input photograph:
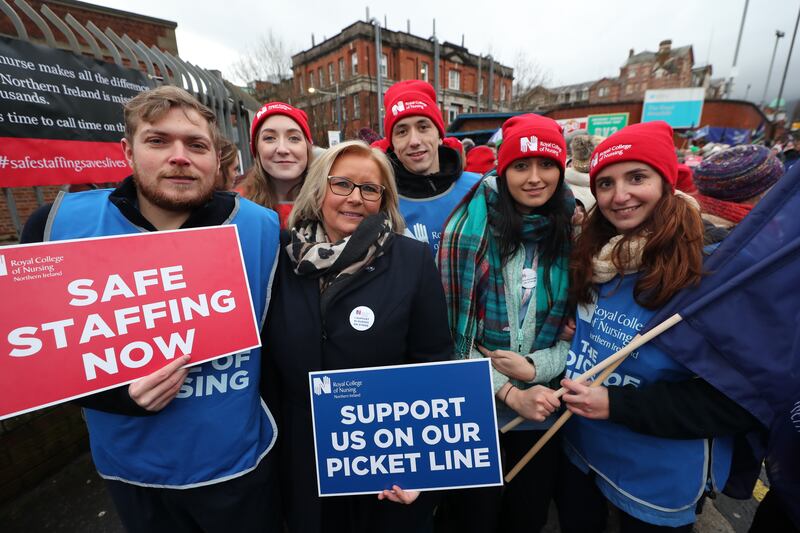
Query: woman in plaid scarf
(504, 264)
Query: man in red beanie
(429, 175)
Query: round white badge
(528, 278)
(362, 318)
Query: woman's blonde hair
(308, 205)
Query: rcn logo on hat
(322, 385)
(3, 269)
(594, 161)
(398, 108)
(529, 144)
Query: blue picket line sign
(425, 426)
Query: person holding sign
(504, 263)
(655, 437)
(350, 292)
(280, 141)
(176, 453)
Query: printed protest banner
(424, 427)
(607, 124)
(680, 108)
(61, 116)
(81, 316)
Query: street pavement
(75, 500)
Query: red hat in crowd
(278, 108)
(531, 135)
(480, 159)
(407, 99)
(647, 142)
(685, 182)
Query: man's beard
(169, 202)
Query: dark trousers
(521, 505)
(771, 516)
(249, 503)
(582, 508)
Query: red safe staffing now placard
(78, 317)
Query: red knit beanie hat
(685, 181)
(278, 108)
(531, 135)
(647, 142)
(407, 99)
(480, 159)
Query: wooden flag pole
(609, 364)
(635, 343)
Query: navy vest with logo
(207, 434)
(425, 217)
(654, 479)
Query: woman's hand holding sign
(399, 495)
(536, 403)
(156, 391)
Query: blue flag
(741, 328)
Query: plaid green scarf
(469, 261)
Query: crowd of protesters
(511, 253)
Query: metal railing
(160, 67)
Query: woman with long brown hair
(655, 438)
(280, 141)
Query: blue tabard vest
(425, 217)
(654, 479)
(207, 434)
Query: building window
(631, 72)
(480, 87)
(341, 68)
(344, 112)
(629, 89)
(331, 79)
(356, 106)
(333, 111)
(585, 94)
(354, 64)
(452, 113)
(321, 79)
(311, 79)
(502, 92)
(300, 84)
(423, 72)
(384, 66)
(602, 92)
(454, 80)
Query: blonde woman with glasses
(344, 252)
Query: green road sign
(605, 125)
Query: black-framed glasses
(341, 186)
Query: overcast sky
(574, 41)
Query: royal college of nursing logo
(322, 385)
(3, 268)
(529, 144)
(398, 108)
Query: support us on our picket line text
(451, 432)
(28, 340)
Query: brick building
(347, 60)
(668, 68)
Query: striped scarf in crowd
(469, 258)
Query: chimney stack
(665, 46)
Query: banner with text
(607, 124)
(680, 108)
(61, 116)
(81, 316)
(422, 427)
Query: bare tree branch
(267, 59)
(529, 77)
